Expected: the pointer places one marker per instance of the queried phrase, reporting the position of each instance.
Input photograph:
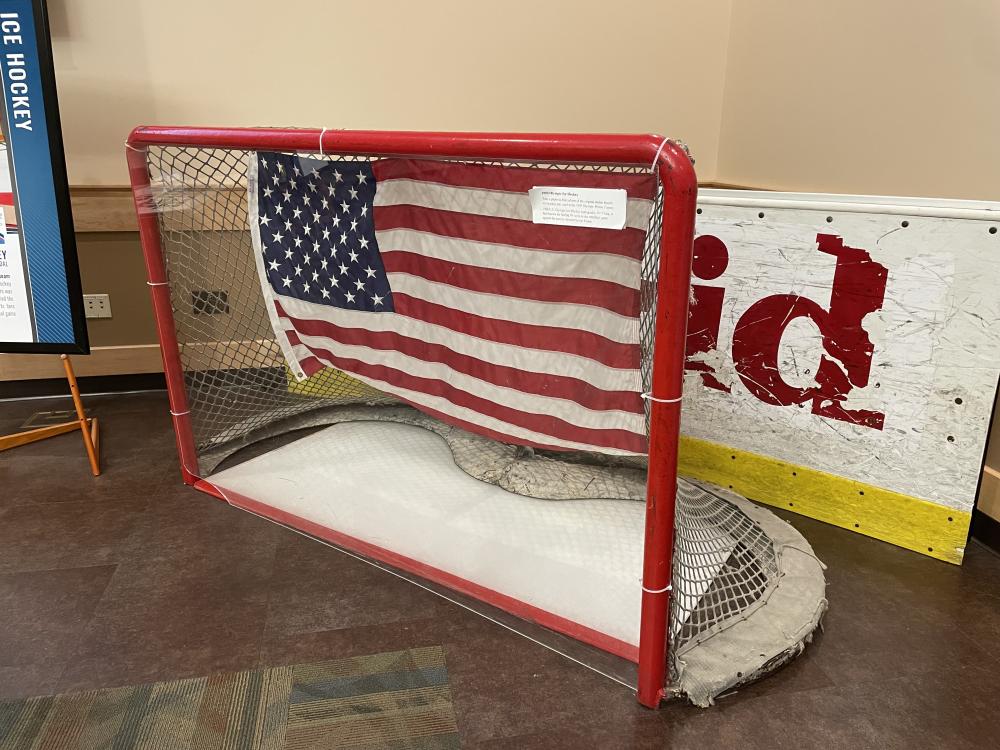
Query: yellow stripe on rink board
(934, 530)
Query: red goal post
(667, 159)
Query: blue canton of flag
(317, 232)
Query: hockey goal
(461, 356)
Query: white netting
(240, 390)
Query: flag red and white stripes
(524, 332)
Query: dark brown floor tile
(167, 621)
(316, 588)
(28, 680)
(504, 685)
(77, 534)
(43, 612)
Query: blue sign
(41, 306)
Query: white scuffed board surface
(936, 338)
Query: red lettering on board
(711, 258)
(858, 289)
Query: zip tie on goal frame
(659, 151)
(157, 283)
(665, 589)
(321, 134)
(650, 397)
(179, 413)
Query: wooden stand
(87, 427)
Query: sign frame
(41, 41)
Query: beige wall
(550, 65)
(892, 96)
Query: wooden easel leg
(89, 432)
(33, 436)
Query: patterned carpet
(387, 701)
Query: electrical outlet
(97, 305)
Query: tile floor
(133, 577)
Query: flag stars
(320, 219)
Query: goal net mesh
(241, 390)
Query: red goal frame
(677, 177)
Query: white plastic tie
(130, 147)
(321, 134)
(156, 283)
(179, 413)
(651, 397)
(658, 152)
(664, 590)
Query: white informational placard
(15, 321)
(856, 336)
(579, 207)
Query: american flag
(429, 281)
